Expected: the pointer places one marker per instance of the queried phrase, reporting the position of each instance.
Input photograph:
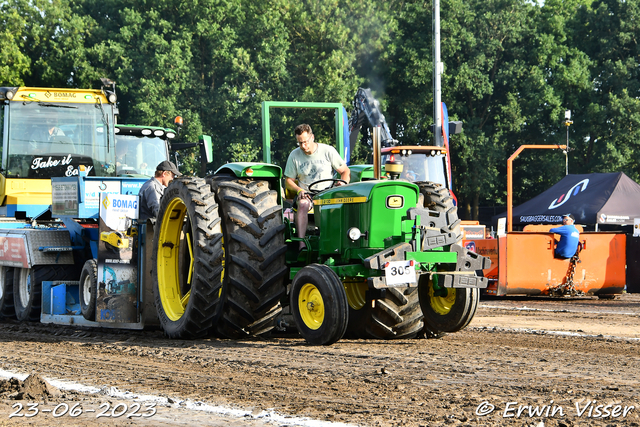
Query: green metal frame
(266, 127)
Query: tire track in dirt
(403, 383)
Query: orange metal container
(526, 264)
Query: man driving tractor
(308, 163)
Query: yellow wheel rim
(174, 295)
(356, 293)
(311, 306)
(442, 305)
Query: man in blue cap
(569, 237)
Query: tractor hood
(376, 208)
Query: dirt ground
(521, 362)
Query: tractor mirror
(455, 128)
(207, 147)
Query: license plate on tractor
(400, 273)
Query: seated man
(44, 134)
(308, 163)
(569, 237)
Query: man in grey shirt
(152, 190)
(310, 162)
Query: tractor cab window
(139, 154)
(421, 167)
(48, 140)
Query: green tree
(14, 62)
(484, 49)
(607, 120)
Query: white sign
(92, 190)
(400, 273)
(502, 225)
(65, 198)
(118, 209)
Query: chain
(568, 287)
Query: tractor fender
(251, 170)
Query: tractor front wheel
(445, 309)
(319, 305)
(188, 260)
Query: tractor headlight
(158, 132)
(354, 233)
(111, 97)
(146, 132)
(9, 95)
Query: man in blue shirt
(569, 237)
(152, 190)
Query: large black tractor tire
(453, 311)
(7, 309)
(255, 268)
(187, 260)
(27, 287)
(449, 312)
(319, 305)
(89, 289)
(395, 315)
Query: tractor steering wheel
(333, 184)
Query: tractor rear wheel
(453, 311)
(27, 287)
(255, 266)
(319, 305)
(89, 289)
(188, 260)
(446, 310)
(7, 310)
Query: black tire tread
(205, 302)
(90, 267)
(7, 308)
(255, 269)
(437, 197)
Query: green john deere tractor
(226, 261)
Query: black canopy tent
(593, 199)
